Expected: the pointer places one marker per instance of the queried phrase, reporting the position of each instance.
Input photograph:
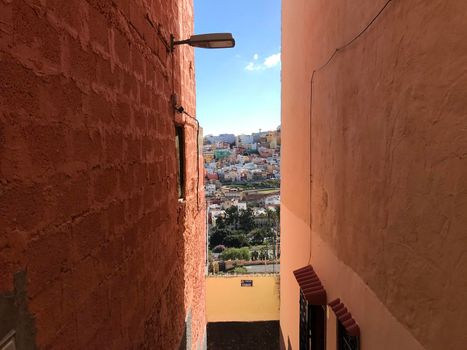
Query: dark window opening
(303, 323)
(312, 325)
(180, 147)
(345, 341)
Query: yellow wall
(226, 300)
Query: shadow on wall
(16, 323)
(282, 342)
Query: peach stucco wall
(388, 165)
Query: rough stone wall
(89, 211)
(389, 167)
(195, 243)
(194, 212)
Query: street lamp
(206, 41)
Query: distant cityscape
(242, 187)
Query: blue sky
(238, 90)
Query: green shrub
(218, 249)
(240, 270)
(236, 254)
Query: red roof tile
(212, 176)
(345, 317)
(310, 285)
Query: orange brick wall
(88, 195)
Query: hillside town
(242, 186)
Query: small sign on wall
(246, 283)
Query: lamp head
(208, 41)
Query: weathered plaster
(388, 160)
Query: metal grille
(346, 341)
(312, 325)
(304, 324)
(8, 342)
(180, 148)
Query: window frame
(308, 329)
(181, 161)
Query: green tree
(273, 228)
(254, 255)
(268, 233)
(236, 240)
(220, 222)
(256, 236)
(271, 214)
(232, 217)
(246, 220)
(218, 236)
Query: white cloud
(250, 66)
(272, 60)
(269, 62)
